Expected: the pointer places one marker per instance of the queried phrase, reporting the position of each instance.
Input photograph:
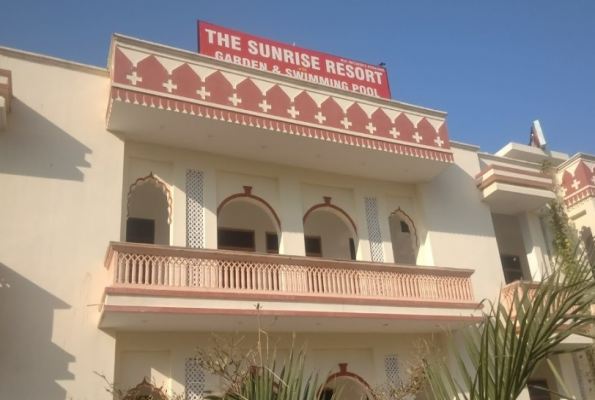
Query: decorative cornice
(464, 146)
(143, 45)
(203, 111)
(225, 87)
(513, 170)
(579, 184)
(580, 196)
(506, 160)
(576, 158)
(514, 176)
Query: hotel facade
(172, 195)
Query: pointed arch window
(403, 238)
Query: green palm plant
(262, 383)
(516, 337)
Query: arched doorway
(149, 212)
(346, 388)
(345, 385)
(403, 238)
(330, 234)
(246, 225)
(144, 391)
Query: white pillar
(177, 228)
(535, 246)
(291, 215)
(383, 214)
(210, 207)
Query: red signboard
(252, 51)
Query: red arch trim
(250, 196)
(344, 373)
(334, 207)
(405, 217)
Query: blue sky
(494, 66)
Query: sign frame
(289, 60)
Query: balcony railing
(162, 267)
(509, 291)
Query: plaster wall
(300, 190)
(61, 187)
(364, 354)
(460, 233)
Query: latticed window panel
(195, 380)
(391, 366)
(195, 224)
(225, 272)
(374, 235)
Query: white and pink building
(146, 205)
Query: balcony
(507, 296)
(182, 99)
(509, 291)
(168, 288)
(511, 190)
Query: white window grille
(195, 380)
(391, 366)
(195, 224)
(374, 235)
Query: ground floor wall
(368, 363)
(376, 360)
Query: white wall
(364, 353)
(300, 190)
(459, 226)
(61, 190)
